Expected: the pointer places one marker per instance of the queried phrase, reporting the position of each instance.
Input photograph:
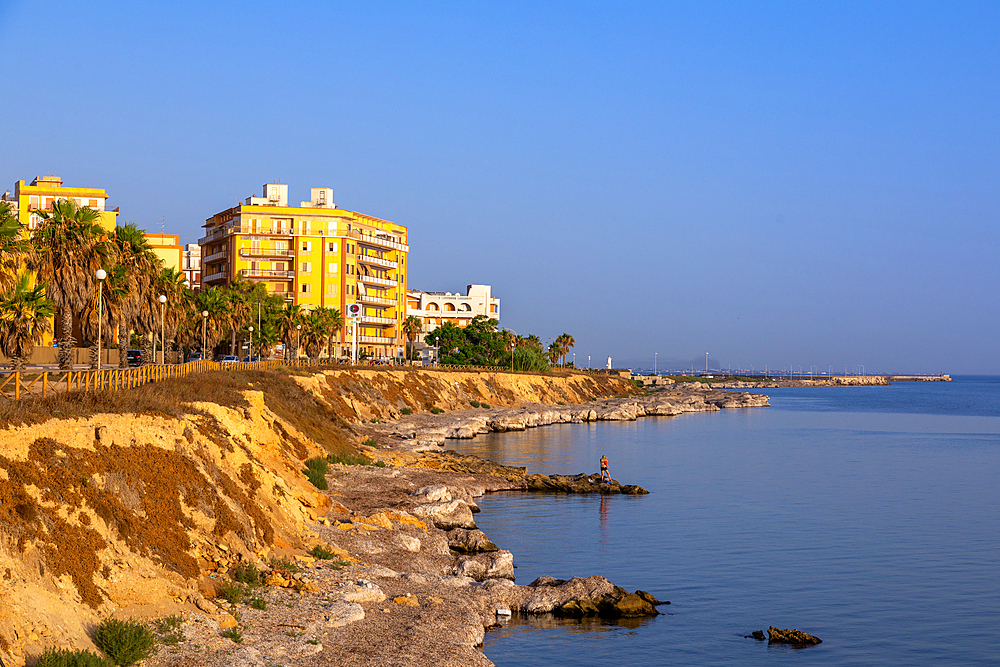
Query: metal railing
(266, 273)
(369, 298)
(265, 252)
(372, 280)
(372, 319)
(378, 241)
(377, 261)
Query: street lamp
(298, 334)
(204, 332)
(163, 344)
(100, 274)
(654, 363)
(250, 354)
(706, 362)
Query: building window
(331, 247)
(305, 288)
(332, 267)
(306, 246)
(304, 267)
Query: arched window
(465, 307)
(432, 306)
(449, 306)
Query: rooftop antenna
(162, 230)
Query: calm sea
(867, 516)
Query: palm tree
(553, 352)
(69, 247)
(291, 316)
(25, 316)
(565, 342)
(315, 332)
(334, 322)
(412, 326)
(215, 302)
(13, 247)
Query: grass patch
(125, 642)
(485, 405)
(258, 603)
(247, 573)
(370, 442)
(322, 553)
(349, 460)
(66, 658)
(232, 592)
(234, 634)
(406, 411)
(474, 404)
(436, 410)
(169, 630)
(285, 566)
(316, 469)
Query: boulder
(447, 515)
(796, 637)
(435, 493)
(470, 541)
(497, 565)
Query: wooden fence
(15, 385)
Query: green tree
(565, 343)
(291, 318)
(13, 247)
(411, 327)
(133, 269)
(553, 352)
(25, 316)
(69, 247)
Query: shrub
(349, 460)
(406, 411)
(321, 552)
(370, 442)
(258, 603)
(316, 472)
(474, 404)
(234, 634)
(66, 658)
(485, 405)
(285, 565)
(379, 464)
(125, 642)
(169, 629)
(247, 573)
(436, 411)
(231, 592)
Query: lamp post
(163, 344)
(706, 362)
(298, 334)
(100, 274)
(204, 332)
(654, 363)
(250, 353)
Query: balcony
(372, 319)
(222, 254)
(378, 241)
(212, 277)
(265, 252)
(267, 273)
(377, 340)
(377, 261)
(372, 280)
(376, 300)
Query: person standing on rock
(604, 469)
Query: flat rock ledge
(581, 483)
(795, 637)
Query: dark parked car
(134, 358)
(195, 356)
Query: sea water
(867, 516)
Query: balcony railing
(376, 300)
(372, 280)
(220, 275)
(266, 252)
(267, 273)
(219, 255)
(377, 261)
(372, 319)
(378, 340)
(378, 241)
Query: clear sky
(773, 183)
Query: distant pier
(920, 378)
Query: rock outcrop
(581, 483)
(797, 637)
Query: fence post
(45, 383)
(17, 385)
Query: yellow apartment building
(44, 190)
(168, 248)
(315, 254)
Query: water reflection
(519, 623)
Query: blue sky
(774, 183)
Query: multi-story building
(436, 308)
(168, 248)
(44, 190)
(192, 265)
(315, 254)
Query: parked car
(195, 356)
(254, 359)
(230, 359)
(134, 358)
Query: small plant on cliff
(247, 573)
(474, 404)
(322, 553)
(436, 411)
(125, 642)
(232, 592)
(66, 658)
(284, 566)
(370, 442)
(234, 634)
(406, 411)
(485, 405)
(349, 460)
(315, 471)
(169, 629)
(258, 603)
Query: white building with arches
(436, 308)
